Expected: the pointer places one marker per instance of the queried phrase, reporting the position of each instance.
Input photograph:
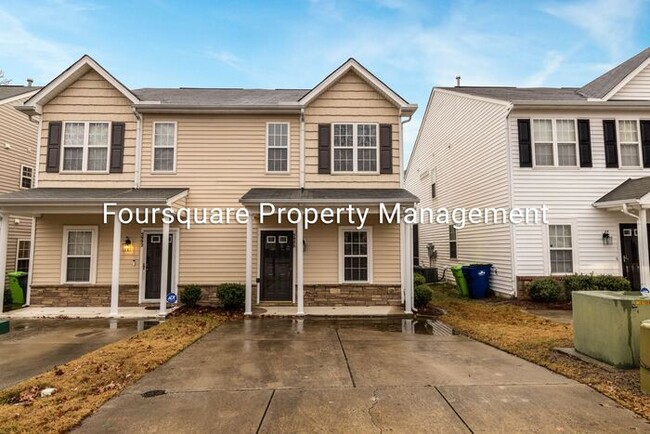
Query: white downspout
(37, 167)
(405, 240)
(4, 236)
(138, 148)
(302, 148)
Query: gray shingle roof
(63, 196)
(221, 97)
(515, 94)
(631, 189)
(327, 195)
(8, 91)
(601, 86)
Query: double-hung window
(164, 147)
(85, 146)
(355, 148)
(79, 254)
(26, 177)
(561, 249)
(453, 244)
(628, 135)
(555, 142)
(277, 147)
(23, 250)
(356, 246)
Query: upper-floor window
(555, 142)
(164, 147)
(85, 146)
(629, 144)
(26, 177)
(355, 147)
(277, 147)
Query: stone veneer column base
(82, 295)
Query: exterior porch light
(607, 238)
(127, 246)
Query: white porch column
(644, 261)
(300, 296)
(164, 269)
(4, 238)
(408, 269)
(402, 258)
(115, 273)
(249, 267)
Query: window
(26, 176)
(79, 248)
(355, 147)
(561, 248)
(85, 146)
(555, 142)
(453, 247)
(356, 260)
(23, 250)
(628, 134)
(164, 146)
(277, 147)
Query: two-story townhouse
(582, 152)
(336, 144)
(17, 159)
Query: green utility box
(4, 326)
(457, 271)
(645, 357)
(18, 286)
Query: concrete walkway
(136, 312)
(281, 375)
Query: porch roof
(324, 196)
(630, 192)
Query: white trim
(455, 241)
(27, 95)
(153, 148)
(137, 174)
(368, 230)
(4, 238)
(288, 148)
(39, 140)
(85, 147)
(617, 121)
(22, 167)
(93, 253)
(555, 143)
(261, 229)
(574, 248)
(175, 232)
(30, 276)
(623, 82)
(355, 150)
(29, 258)
(301, 176)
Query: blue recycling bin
(478, 279)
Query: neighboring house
(336, 144)
(17, 158)
(565, 148)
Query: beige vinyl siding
(349, 100)
(464, 140)
(90, 98)
(638, 88)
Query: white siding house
(529, 147)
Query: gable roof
(8, 91)
(631, 190)
(603, 85)
(520, 94)
(221, 97)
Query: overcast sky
(411, 45)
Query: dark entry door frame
(630, 253)
(173, 262)
(290, 295)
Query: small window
(277, 147)
(355, 147)
(433, 183)
(453, 248)
(561, 249)
(355, 255)
(629, 144)
(80, 245)
(23, 250)
(26, 177)
(85, 146)
(555, 142)
(164, 146)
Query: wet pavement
(315, 375)
(33, 346)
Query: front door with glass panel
(630, 254)
(277, 266)
(153, 265)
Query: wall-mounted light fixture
(607, 238)
(127, 246)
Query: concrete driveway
(283, 375)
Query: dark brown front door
(277, 266)
(630, 254)
(153, 263)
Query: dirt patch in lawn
(507, 327)
(83, 385)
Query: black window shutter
(525, 148)
(386, 149)
(645, 142)
(53, 147)
(584, 142)
(324, 145)
(611, 151)
(117, 147)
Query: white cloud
(226, 58)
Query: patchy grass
(507, 327)
(86, 383)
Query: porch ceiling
(632, 192)
(327, 196)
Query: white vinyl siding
(355, 148)
(629, 143)
(555, 142)
(164, 147)
(277, 147)
(85, 146)
(637, 89)
(79, 254)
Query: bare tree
(3, 80)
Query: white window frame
(618, 143)
(84, 154)
(22, 177)
(455, 240)
(153, 148)
(266, 156)
(573, 248)
(355, 149)
(342, 231)
(18, 258)
(556, 157)
(93, 254)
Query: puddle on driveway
(419, 326)
(87, 327)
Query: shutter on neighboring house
(53, 147)
(385, 149)
(324, 145)
(525, 148)
(584, 142)
(117, 147)
(611, 153)
(645, 142)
